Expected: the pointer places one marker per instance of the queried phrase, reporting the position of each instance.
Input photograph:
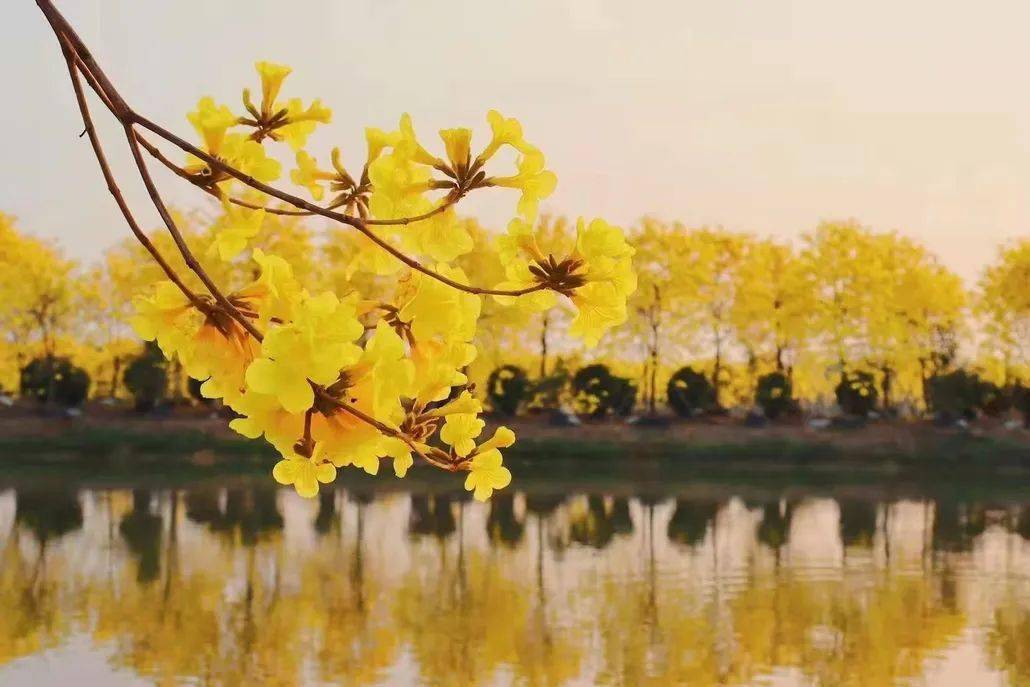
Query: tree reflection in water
(250, 585)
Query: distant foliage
(624, 396)
(55, 380)
(193, 388)
(955, 394)
(547, 392)
(856, 394)
(146, 378)
(1021, 402)
(507, 387)
(775, 394)
(689, 392)
(596, 392)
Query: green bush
(507, 387)
(1021, 401)
(856, 394)
(955, 394)
(546, 393)
(193, 389)
(54, 380)
(994, 400)
(623, 397)
(146, 378)
(775, 394)
(690, 392)
(596, 392)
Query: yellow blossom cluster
(338, 379)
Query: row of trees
(845, 304)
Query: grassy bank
(882, 445)
(612, 459)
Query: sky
(765, 117)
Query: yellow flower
(275, 295)
(442, 237)
(312, 348)
(373, 385)
(398, 185)
(460, 430)
(378, 141)
(168, 318)
(212, 121)
(262, 414)
(532, 179)
(219, 358)
(249, 157)
(519, 239)
(309, 175)
(409, 146)
(436, 309)
(506, 131)
(438, 366)
(597, 276)
(486, 470)
(400, 452)
(272, 77)
(304, 473)
(234, 229)
(599, 307)
(301, 121)
(348, 440)
(457, 143)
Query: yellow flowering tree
(336, 378)
(1004, 304)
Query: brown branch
(112, 184)
(355, 222)
(271, 210)
(386, 429)
(408, 220)
(180, 242)
(100, 83)
(80, 61)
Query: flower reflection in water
(252, 585)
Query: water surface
(690, 582)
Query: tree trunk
(543, 346)
(653, 392)
(116, 366)
(885, 385)
(717, 368)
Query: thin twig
(112, 185)
(99, 82)
(355, 222)
(180, 242)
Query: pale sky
(758, 116)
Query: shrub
(994, 400)
(961, 393)
(54, 380)
(193, 389)
(146, 378)
(624, 396)
(775, 394)
(507, 387)
(1021, 401)
(597, 392)
(955, 394)
(689, 392)
(546, 393)
(856, 393)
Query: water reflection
(249, 585)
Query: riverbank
(885, 444)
